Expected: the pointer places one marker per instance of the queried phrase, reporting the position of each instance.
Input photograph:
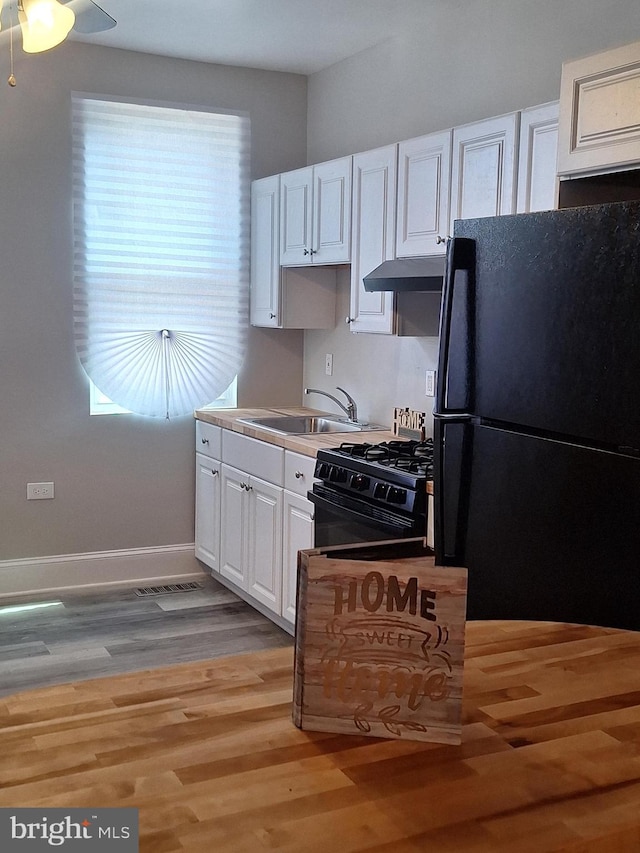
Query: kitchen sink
(307, 425)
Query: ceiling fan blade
(90, 18)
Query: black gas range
(370, 492)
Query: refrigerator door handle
(460, 256)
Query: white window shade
(161, 251)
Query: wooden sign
(409, 424)
(380, 642)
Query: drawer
(259, 458)
(208, 439)
(298, 472)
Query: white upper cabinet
(295, 216)
(537, 171)
(282, 297)
(484, 164)
(265, 252)
(424, 180)
(373, 218)
(600, 112)
(315, 214)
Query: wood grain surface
(308, 445)
(380, 642)
(549, 760)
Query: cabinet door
(297, 536)
(207, 532)
(483, 173)
(265, 252)
(332, 212)
(265, 543)
(600, 114)
(537, 178)
(233, 525)
(373, 218)
(424, 181)
(295, 217)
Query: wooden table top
(549, 760)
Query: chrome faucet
(350, 410)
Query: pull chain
(12, 77)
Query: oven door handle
(394, 520)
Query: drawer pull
(204, 440)
(298, 475)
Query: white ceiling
(301, 36)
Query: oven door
(341, 519)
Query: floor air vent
(170, 587)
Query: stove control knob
(337, 474)
(322, 470)
(396, 495)
(380, 491)
(359, 482)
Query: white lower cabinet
(251, 535)
(208, 511)
(297, 536)
(252, 517)
(297, 524)
(207, 532)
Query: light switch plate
(430, 387)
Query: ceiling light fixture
(47, 23)
(44, 24)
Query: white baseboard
(99, 569)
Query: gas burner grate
(413, 464)
(350, 448)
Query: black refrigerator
(537, 415)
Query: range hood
(407, 274)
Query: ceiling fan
(46, 23)
(90, 18)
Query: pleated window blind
(161, 251)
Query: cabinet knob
(440, 239)
(349, 320)
(313, 252)
(272, 315)
(306, 252)
(214, 473)
(204, 440)
(298, 475)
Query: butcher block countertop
(549, 759)
(308, 445)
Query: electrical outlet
(328, 364)
(430, 389)
(39, 491)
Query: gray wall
(123, 481)
(466, 60)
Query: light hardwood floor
(89, 635)
(207, 752)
